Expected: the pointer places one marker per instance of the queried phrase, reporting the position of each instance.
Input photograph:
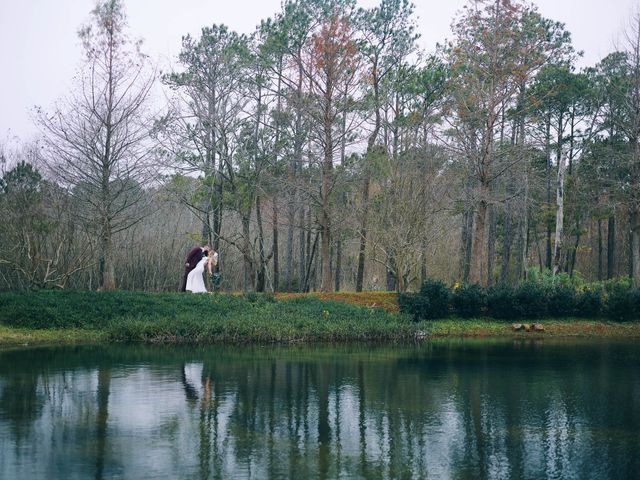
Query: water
(449, 409)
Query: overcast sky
(39, 47)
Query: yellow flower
(456, 286)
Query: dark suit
(193, 257)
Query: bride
(195, 281)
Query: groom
(193, 257)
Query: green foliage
(438, 296)
(561, 301)
(527, 301)
(541, 296)
(589, 303)
(469, 300)
(500, 301)
(414, 304)
(137, 316)
(623, 304)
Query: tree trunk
(634, 246)
(557, 250)
(371, 142)
(288, 269)
(217, 210)
(491, 244)
(325, 226)
(108, 270)
(548, 175)
(479, 237)
(611, 246)
(275, 248)
(391, 276)
(363, 230)
(303, 259)
(262, 267)
(600, 252)
(506, 245)
(338, 272)
(466, 235)
(246, 253)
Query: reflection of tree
(189, 390)
(104, 388)
(21, 403)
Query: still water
(463, 409)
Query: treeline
(325, 151)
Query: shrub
(469, 300)
(589, 303)
(500, 301)
(561, 300)
(624, 304)
(414, 304)
(438, 296)
(527, 300)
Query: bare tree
(97, 139)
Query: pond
(444, 409)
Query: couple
(198, 259)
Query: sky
(40, 50)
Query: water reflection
(454, 409)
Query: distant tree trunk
(325, 225)
(557, 250)
(574, 252)
(423, 262)
(491, 244)
(338, 268)
(611, 246)
(275, 248)
(288, 269)
(391, 276)
(108, 277)
(600, 252)
(548, 175)
(371, 142)
(521, 263)
(479, 235)
(249, 281)
(634, 254)
(262, 267)
(301, 247)
(217, 211)
(466, 235)
(506, 244)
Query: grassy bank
(88, 317)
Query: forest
(326, 151)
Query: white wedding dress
(195, 281)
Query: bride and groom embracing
(198, 259)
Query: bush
(623, 304)
(469, 300)
(500, 301)
(589, 303)
(527, 300)
(561, 300)
(530, 301)
(438, 296)
(414, 304)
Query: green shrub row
(529, 300)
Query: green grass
(88, 317)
